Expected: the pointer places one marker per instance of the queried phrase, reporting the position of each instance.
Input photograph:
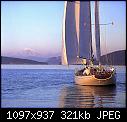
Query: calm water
(53, 86)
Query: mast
(97, 31)
(91, 48)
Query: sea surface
(53, 86)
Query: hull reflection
(87, 96)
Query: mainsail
(76, 36)
(85, 35)
(69, 35)
(97, 31)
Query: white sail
(97, 31)
(85, 34)
(69, 35)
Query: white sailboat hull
(91, 80)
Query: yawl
(77, 44)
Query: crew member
(86, 71)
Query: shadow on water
(87, 96)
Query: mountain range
(11, 60)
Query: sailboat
(77, 44)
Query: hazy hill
(10, 60)
(115, 58)
(54, 60)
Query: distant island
(114, 58)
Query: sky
(34, 28)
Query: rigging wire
(108, 57)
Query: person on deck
(86, 71)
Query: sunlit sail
(69, 35)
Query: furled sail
(85, 34)
(77, 17)
(97, 31)
(69, 35)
